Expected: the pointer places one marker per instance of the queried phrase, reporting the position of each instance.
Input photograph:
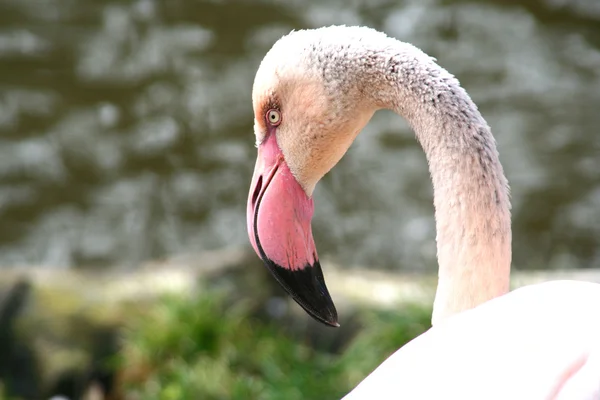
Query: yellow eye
(274, 117)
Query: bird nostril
(257, 190)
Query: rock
(17, 364)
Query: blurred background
(126, 140)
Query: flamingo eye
(274, 117)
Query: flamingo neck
(361, 70)
(471, 195)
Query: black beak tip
(324, 313)
(307, 287)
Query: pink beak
(278, 216)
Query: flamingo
(313, 93)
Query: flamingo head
(307, 113)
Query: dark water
(126, 128)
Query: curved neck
(472, 206)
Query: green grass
(204, 349)
(3, 394)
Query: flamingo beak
(278, 216)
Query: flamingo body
(539, 342)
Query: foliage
(205, 349)
(3, 394)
